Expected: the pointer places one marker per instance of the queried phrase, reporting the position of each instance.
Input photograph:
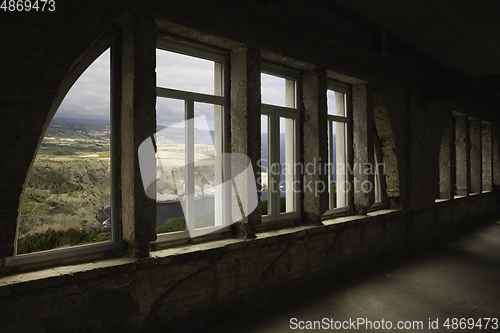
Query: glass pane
(287, 161)
(264, 158)
(337, 165)
(207, 132)
(188, 73)
(68, 198)
(332, 164)
(170, 165)
(277, 91)
(336, 103)
(341, 164)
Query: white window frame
(190, 98)
(92, 248)
(333, 86)
(290, 111)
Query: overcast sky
(89, 98)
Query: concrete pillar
(315, 151)
(138, 122)
(475, 156)
(487, 161)
(462, 155)
(445, 168)
(245, 123)
(362, 129)
(496, 160)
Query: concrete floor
(454, 278)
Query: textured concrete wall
(462, 156)
(362, 129)
(137, 123)
(475, 157)
(186, 286)
(245, 124)
(314, 132)
(445, 169)
(496, 158)
(487, 162)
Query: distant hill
(177, 135)
(82, 120)
(78, 130)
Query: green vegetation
(65, 194)
(56, 180)
(51, 239)
(68, 139)
(202, 220)
(77, 130)
(105, 155)
(282, 206)
(171, 225)
(64, 148)
(69, 182)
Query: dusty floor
(455, 278)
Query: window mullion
(189, 172)
(330, 161)
(274, 137)
(198, 97)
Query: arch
(106, 47)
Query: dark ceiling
(461, 34)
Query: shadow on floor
(453, 277)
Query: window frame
(112, 44)
(347, 120)
(274, 114)
(484, 135)
(190, 98)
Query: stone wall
(185, 286)
(190, 287)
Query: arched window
(69, 202)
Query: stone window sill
(35, 280)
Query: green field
(68, 184)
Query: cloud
(181, 72)
(273, 90)
(89, 97)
